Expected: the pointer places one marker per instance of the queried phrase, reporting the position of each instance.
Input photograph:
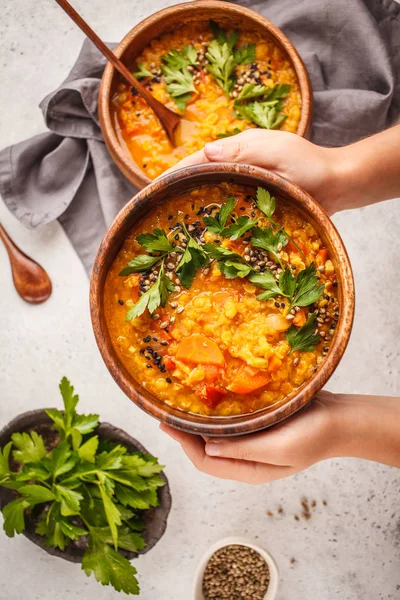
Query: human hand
(314, 168)
(299, 442)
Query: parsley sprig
(153, 242)
(302, 290)
(216, 224)
(156, 296)
(221, 64)
(304, 338)
(82, 487)
(177, 76)
(266, 113)
(193, 258)
(142, 72)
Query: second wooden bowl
(228, 15)
(182, 181)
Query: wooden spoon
(30, 279)
(168, 119)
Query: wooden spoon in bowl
(168, 119)
(30, 279)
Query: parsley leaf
(266, 239)
(88, 450)
(221, 64)
(36, 494)
(221, 253)
(239, 228)
(278, 92)
(262, 114)
(178, 78)
(265, 202)
(70, 500)
(193, 258)
(267, 282)
(4, 457)
(305, 338)
(108, 566)
(307, 290)
(13, 513)
(127, 539)
(287, 283)
(62, 460)
(252, 90)
(232, 269)
(157, 295)
(142, 72)
(235, 131)
(222, 37)
(216, 224)
(140, 264)
(155, 242)
(245, 55)
(30, 447)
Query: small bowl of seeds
(236, 568)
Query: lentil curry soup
(222, 301)
(222, 82)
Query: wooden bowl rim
(120, 155)
(158, 515)
(250, 422)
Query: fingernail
(212, 449)
(213, 150)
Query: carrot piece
(213, 396)
(323, 254)
(169, 363)
(274, 364)
(199, 349)
(300, 318)
(212, 373)
(248, 380)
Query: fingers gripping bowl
(222, 299)
(222, 67)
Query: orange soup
(221, 82)
(222, 301)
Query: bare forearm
(368, 171)
(368, 427)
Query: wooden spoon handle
(162, 111)
(11, 248)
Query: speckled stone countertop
(350, 548)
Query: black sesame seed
(147, 357)
(156, 79)
(283, 305)
(144, 166)
(149, 366)
(134, 92)
(242, 208)
(168, 380)
(139, 294)
(293, 267)
(147, 339)
(326, 297)
(335, 284)
(155, 339)
(253, 214)
(277, 305)
(173, 245)
(186, 216)
(121, 302)
(162, 368)
(170, 217)
(332, 299)
(326, 349)
(141, 351)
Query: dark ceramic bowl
(155, 518)
(155, 194)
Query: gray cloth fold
(351, 49)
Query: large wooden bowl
(138, 38)
(145, 201)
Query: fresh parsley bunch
(266, 112)
(82, 488)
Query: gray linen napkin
(351, 49)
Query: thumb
(248, 147)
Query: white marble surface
(350, 549)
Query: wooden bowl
(228, 15)
(183, 180)
(155, 518)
